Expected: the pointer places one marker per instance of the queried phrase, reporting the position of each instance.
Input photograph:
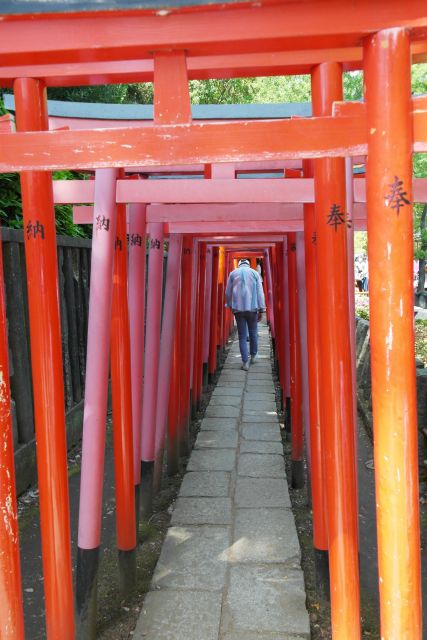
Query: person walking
(244, 295)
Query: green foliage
(360, 242)
(363, 313)
(229, 91)
(2, 107)
(353, 85)
(283, 89)
(419, 78)
(139, 93)
(10, 200)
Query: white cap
(244, 261)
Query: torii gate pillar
(336, 399)
(389, 185)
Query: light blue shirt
(244, 290)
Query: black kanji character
(337, 217)
(314, 237)
(119, 245)
(186, 252)
(102, 223)
(38, 229)
(34, 230)
(136, 240)
(154, 243)
(293, 247)
(396, 197)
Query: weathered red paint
(46, 361)
(336, 399)
(11, 610)
(387, 69)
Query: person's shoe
(254, 358)
(245, 366)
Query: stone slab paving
(230, 564)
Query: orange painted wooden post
(336, 397)
(46, 362)
(11, 611)
(186, 305)
(295, 362)
(174, 396)
(389, 197)
(212, 363)
(318, 498)
(122, 411)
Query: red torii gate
(381, 34)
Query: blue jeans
(247, 321)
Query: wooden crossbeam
(133, 35)
(200, 67)
(250, 192)
(227, 218)
(184, 144)
(193, 143)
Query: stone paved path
(230, 565)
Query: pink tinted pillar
(207, 316)
(166, 350)
(269, 293)
(95, 405)
(151, 363)
(136, 293)
(351, 298)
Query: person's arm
(260, 294)
(229, 291)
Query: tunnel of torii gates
(302, 229)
